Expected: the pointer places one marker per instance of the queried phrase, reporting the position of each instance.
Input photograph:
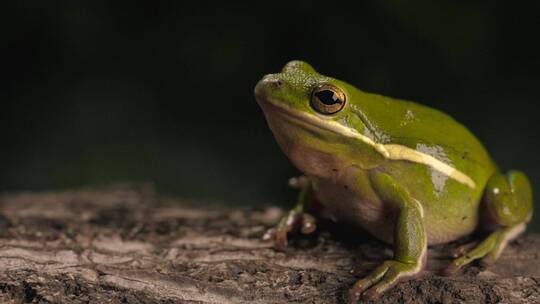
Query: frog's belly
(377, 217)
(344, 206)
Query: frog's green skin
(408, 174)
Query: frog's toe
(362, 285)
(280, 241)
(277, 237)
(308, 224)
(298, 182)
(462, 249)
(484, 250)
(452, 269)
(457, 264)
(381, 279)
(269, 235)
(294, 220)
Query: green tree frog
(410, 175)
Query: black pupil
(328, 97)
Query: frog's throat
(389, 151)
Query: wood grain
(125, 244)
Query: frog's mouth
(314, 122)
(303, 120)
(311, 121)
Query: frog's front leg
(508, 206)
(410, 242)
(296, 217)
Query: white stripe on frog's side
(406, 153)
(397, 152)
(390, 151)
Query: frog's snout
(267, 84)
(272, 80)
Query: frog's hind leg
(488, 250)
(508, 207)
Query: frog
(410, 175)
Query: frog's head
(315, 120)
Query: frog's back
(450, 204)
(425, 130)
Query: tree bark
(127, 245)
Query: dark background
(95, 92)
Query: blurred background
(94, 92)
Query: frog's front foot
(381, 279)
(294, 220)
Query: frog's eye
(327, 99)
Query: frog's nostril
(276, 83)
(273, 82)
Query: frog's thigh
(508, 204)
(508, 199)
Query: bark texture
(126, 245)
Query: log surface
(127, 245)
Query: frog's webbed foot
(381, 279)
(461, 250)
(508, 204)
(488, 250)
(295, 219)
(304, 222)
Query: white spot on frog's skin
(437, 178)
(495, 190)
(374, 132)
(399, 152)
(439, 181)
(506, 210)
(409, 116)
